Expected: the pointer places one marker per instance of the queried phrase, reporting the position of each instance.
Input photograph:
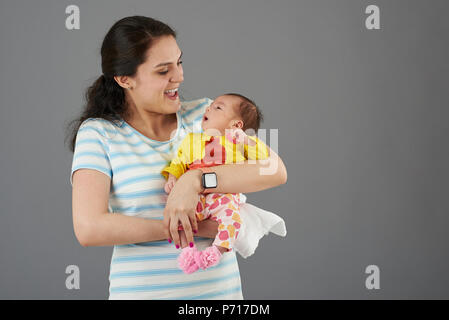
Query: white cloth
(256, 223)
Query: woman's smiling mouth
(171, 94)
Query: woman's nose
(178, 75)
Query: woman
(132, 125)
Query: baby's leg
(221, 207)
(225, 210)
(201, 208)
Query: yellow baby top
(201, 150)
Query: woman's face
(161, 71)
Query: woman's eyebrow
(167, 63)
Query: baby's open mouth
(205, 118)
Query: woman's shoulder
(193, 104)
(192, 108)
(192, 112)
(105, 128)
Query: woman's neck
(156, 126)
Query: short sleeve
(91, 149)
(192, 113)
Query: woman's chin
(173, 107)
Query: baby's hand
(238, 136)
(170, 183)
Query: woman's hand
(181, 207)
(207, 228)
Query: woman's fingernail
(177, 246)
(169, 240)
(195, 231)
(191, 244)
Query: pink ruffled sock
(207, 258)
(186, 260)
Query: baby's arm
(176, 167)
(170, 183)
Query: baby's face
(220, 115)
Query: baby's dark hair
(251, 115)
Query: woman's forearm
(249, 177)
(115, 229)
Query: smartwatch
(209, 180)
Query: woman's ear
(125, 82)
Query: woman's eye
(165, 72)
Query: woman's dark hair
(124, 48)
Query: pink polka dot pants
(224, 208)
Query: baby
(223, 141)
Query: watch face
(210, 180)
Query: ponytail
(104, 99)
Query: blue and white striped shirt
(134, 163)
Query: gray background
(363, 127)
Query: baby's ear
(238, 124)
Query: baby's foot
(207, 258)
(186, 260)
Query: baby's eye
(218, 107)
